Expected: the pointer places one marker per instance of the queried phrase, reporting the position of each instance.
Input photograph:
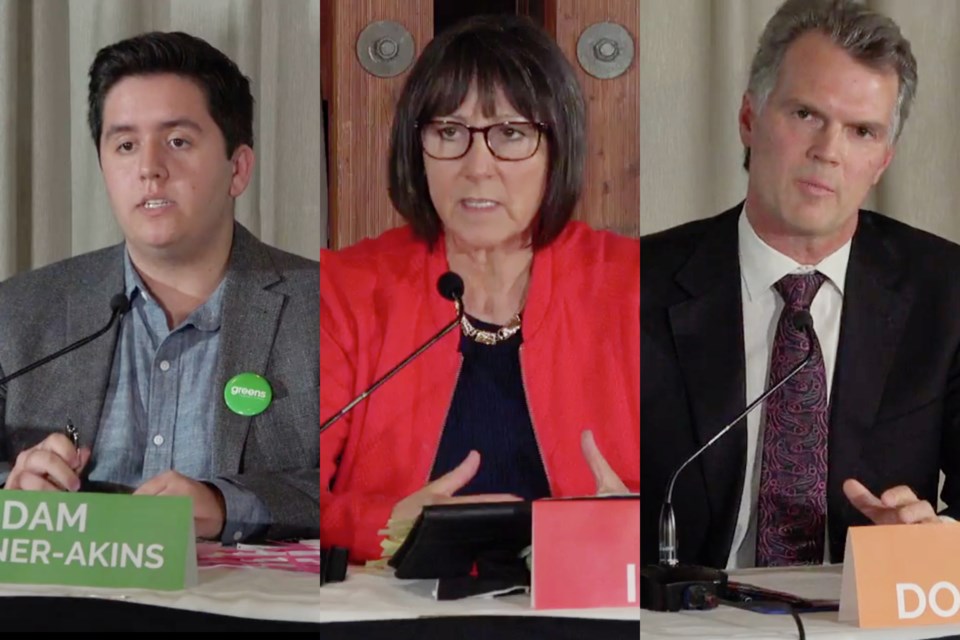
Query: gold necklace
(490, 337)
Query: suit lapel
(89, 367)
(876, 303)
(708, 333)
(250, 317)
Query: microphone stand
(334, 560)
(669, 585)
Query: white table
(284, 595)
(811, 582)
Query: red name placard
(586, 553)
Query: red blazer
(580, 361)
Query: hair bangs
(473, 62)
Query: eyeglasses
(450, 140)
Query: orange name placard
(586, 553)
(901, 575)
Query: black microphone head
(450, 286)
(119, 303)
(803, 321)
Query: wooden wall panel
(326, 47)
(611, 198)
(361, 114)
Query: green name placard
(97, 540)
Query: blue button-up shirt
(159, 407)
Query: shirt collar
(206, 317)
(761, 265)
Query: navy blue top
(489, 413)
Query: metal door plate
(605, 50)
(385, 48)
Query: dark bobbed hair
(502, 51)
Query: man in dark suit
(860, 434)
(208, 387)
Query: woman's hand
(441, 491)
(608, 482)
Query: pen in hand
(88, 485)
(73, 434)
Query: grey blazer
(270, 326)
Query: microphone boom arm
(668, 525)
(444, 331)
(119, 305)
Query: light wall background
(694, 63)
(53, 204)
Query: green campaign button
(247, 394)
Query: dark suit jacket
(271, 319)
(895, 399)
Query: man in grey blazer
(208, 386)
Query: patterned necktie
(792, 506)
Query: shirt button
(164, 365)
(158, 440)
(237, 535)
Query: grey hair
(867, 35)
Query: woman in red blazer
(538, 393)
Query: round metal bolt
(606, 50)
(386, 49)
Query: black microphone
(670, 586)
(119, 305)
(450, 286)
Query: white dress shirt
(761, 266)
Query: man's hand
(608, 482)
(898, 505)
(209, 509)
(441, 491)
(52, 465)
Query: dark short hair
(227, 90)
(519, 57)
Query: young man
(157, 401)
(860, 434)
